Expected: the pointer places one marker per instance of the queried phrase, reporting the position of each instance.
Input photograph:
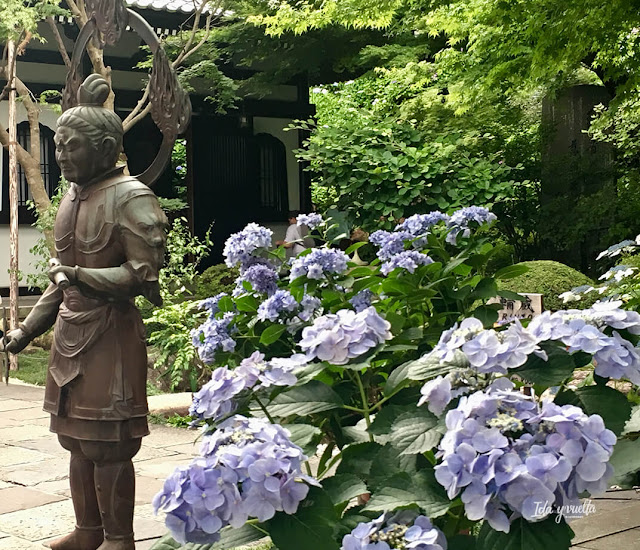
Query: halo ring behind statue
(170, 104)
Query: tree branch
(79, 14)
(192, 35)
(138, 117)
(199, 45)
(127, 123)
(59, 41)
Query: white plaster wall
(275, 127)
(26, 261)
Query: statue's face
(79, 161)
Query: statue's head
(89, 137)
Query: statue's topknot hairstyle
(90, 117)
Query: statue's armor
(113, 233)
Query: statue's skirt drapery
(98, 371)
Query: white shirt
(294, 233)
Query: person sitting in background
(296, 238)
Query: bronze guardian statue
(110, 239)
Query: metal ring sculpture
(170, 104)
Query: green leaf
(305, 436)
(416, 432)
(247, 303)
(610, 404)
(311, 398)
(509, 295)
(486, 288)
(311, 526)
(404, 491)
(342, 488)
(355, 247)
(626, 463)
(557, 369)
(234, 538)
(384, 419)
(543, 535)
(487, 314)
(511, 272)
(429, 366)
(308, 372)
(166, 543)
(226, 304)
(271, 334)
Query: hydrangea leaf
(305, 436)
(559, 366)
(544, 535)
(511, 272)
(311, 526)
(626, 463)
(416, 432)
(429, 366)
(232, 538)
(271, 334)
(166, 543)
(341, 488)
(311, 398)
(383, 420)
(404, 491)
(610, 404)
(247, 303)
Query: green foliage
(32, 367)
(549, 279)
(18, 17)
(216, 279)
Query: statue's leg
(115, 487)
(88, 534)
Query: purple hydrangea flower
(388, 532)
(459, 222)
(310, 220)
(338, 338)
(211, 304)
(216, 398)
(259, 373)
(390, 244)
(507, 453)
(273, 307)
(262, 278)
(310, 305)
(319, 263)
(249, 469)
(362, 300)
(239, 247)
(408, 259)
(437, 394)
(213, 335)
(419, 225)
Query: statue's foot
(82, 538)
(122, 544)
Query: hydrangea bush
(380, 407)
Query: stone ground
(35, 505)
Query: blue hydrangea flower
(211, 304)
(239, 247)
(216, 398)
(310, 306)
(459, 222)
(390, 244)
(310, 220)
(259, 373)
(319, 263)
(437, 394)
(362, 300)
(390, 532)
(504, 452)
(408, 259)
(262, 278)
(213, 335)
(282, 301)
(249, 469)
(419, 225)
(338, 338)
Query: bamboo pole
(13, 199)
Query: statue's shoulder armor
(127, 188)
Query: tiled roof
(184, 6)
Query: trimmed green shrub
(551, 279)
(214, 280)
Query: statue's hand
(15, 341)
(58, 273)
